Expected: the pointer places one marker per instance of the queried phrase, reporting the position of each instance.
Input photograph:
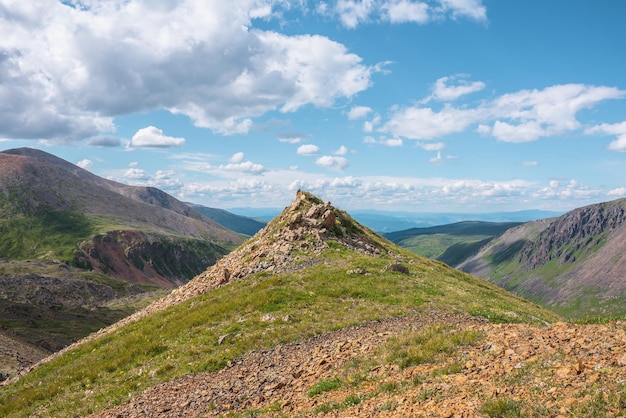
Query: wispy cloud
(353, 13)
(530, 163)
(390, 142)
(292, 137)
(618, 129)
(104, 141)
(453, 87)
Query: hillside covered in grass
(450, 243)
(312, 270)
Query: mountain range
(79, 252)
(575, 264)
(313, 314)
(316, 314)
(572, 263)
(386, 222)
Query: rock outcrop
(290, 242)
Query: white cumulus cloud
(152, 137)
(332, 162)
(308, 149)
(237, 157)
(86, 164)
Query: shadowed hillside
(574, 263)
(451, 243)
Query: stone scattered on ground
(558, 370)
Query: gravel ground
(558, 370)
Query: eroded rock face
(577, 229)
(143, 258)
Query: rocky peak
(295, 239)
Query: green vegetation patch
(259, 311)
(324, 386)
(48, 234)
(501, 408)
(426, 346)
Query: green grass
(324, 386)
(426, 346)
(501, 408)
(49, 235)
(435, 246)
(184, 338)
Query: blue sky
(418, 105)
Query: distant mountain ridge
(452, 243)
(79, 252)
(386, 222)
(59, 196)
(575, 263)
(237, 223)
(30, 179)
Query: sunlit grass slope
(257, 311)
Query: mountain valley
(317, 314)
(314, 314)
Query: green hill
(450, 243)
(312, 270)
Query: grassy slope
(184, 338)
(450, 243)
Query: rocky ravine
(560, 370)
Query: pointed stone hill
(290, 242)
(294, 240)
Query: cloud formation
(85, 164)
(522, 116)
(618, 129)
(445, 92)
(152, 137)
(69, 68)
(308, 149)
(332, 162)
(353, 13)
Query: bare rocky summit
(290, 242)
